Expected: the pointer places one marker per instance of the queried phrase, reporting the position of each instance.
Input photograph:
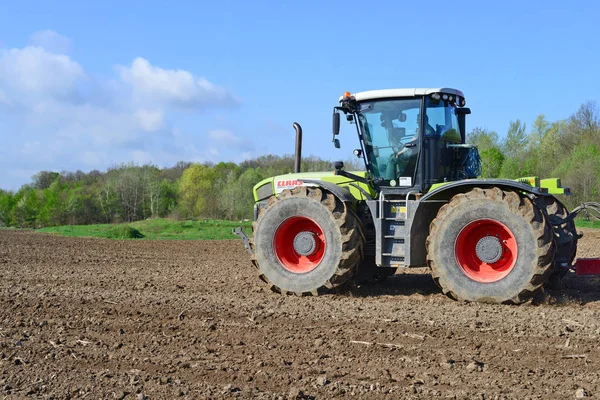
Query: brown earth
(129, 319)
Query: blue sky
(85, 85)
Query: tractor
(418, 203)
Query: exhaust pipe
(298, 158)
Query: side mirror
(336, 123)
(336, 143)
(461, 113)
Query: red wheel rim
(486, 250)
(299, 244)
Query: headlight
(264, 191)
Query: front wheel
(306, 241)
(491, 246)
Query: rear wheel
(306, 241)
(490, 245)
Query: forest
(568, 149)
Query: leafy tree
(538, 132)
(516, 140)
(483, 139)
(581, 172)
(43, 180)
(108, 199)
(511, 169)
(195, 191)
(230, 196)
(27, 207)
(6, 206)
(52, 210)
(246, 183)
(129, 188)
(491, 162)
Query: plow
(418, 203)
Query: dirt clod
(322, 381)
(295, 394)
(475, 366)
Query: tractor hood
(277, 184)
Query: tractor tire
(565, 235)
(306, 242)
(492, 246)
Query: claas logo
(294, 182)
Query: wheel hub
(489, 249)
(305, 243)
(486, 250)
(299, 244)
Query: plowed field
(163, 319)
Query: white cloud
(176, 87)
(82, 123)
(62, 118)
(51, 41)
(149, 120)
(32, 73)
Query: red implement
(587, 266)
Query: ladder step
(393, 237)
(393, 255)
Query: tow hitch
(239, 232)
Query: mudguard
(446, 191)
(341, 193)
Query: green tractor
(418, 203)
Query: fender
(448, 190)
(341, 193)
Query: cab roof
(412, 92)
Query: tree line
(129, 192)
(569, 149)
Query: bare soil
(149, 319)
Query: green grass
(581, 223)
(157, 229)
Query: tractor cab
(410, 138)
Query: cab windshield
(390, 132)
